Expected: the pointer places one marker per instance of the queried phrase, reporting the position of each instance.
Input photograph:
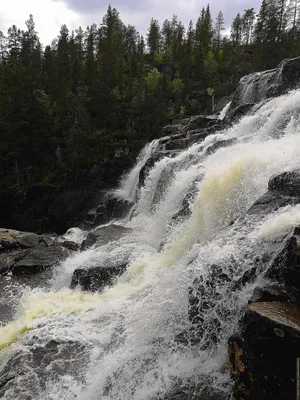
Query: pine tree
(3, 48)
(236, 31)
(219, 28)
(154, 37)
(248, 20)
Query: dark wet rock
(109, 207)
(49, 361)
(200, 122)
(263, 356)
(7, 260)
(285, 267)
(68, 244)
(220, 144)
(48, 240)
(269, 293)
(12, 239)
(147, 167)
(194, 391)
(223, 102)
(8, 240)
(171, 129)
(96, 278)
(35, 260)
(178, 144)
(204, 295)
(259, 86)
(287, 183)
(28, 240)
(196, 136)
(272, 201)
(239, 112)
(105, 234)
(249, 276)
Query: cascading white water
(129, 183)
(131, 342)
(224, 111)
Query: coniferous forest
(95, 96)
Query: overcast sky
(49, 15)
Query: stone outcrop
(104, 234)
(96, 278)
(264, 353)
(259, 86)
(263, 356)
(284, 189)
(25, 253)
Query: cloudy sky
(49, 15)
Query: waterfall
(224, 111)
(129, 183)
(133, 340)
(259, 86)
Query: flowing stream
(133, 340)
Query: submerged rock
(30, 368)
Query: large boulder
(12, 239)
(38, 259)
(28, 253)
(287, 183)
(109, 207)
(105, 234)
(96, 278)
(263, 356)
(284, 189)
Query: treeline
(95, 96)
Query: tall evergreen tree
(219, 28)
(154, 37)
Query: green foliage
(152, 81)
(177, 87)
(93, 93)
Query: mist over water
(132, 340)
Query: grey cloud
(139, 12)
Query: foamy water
(130, 331)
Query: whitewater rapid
(126, 342)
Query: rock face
(264, 353)
(105, 234)
(51, 358)
(58, 208)
(284, 189)
(96, 278)
(85, 198)
(258, 86)
(108, 208)
(263, 356)
(24, 253)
